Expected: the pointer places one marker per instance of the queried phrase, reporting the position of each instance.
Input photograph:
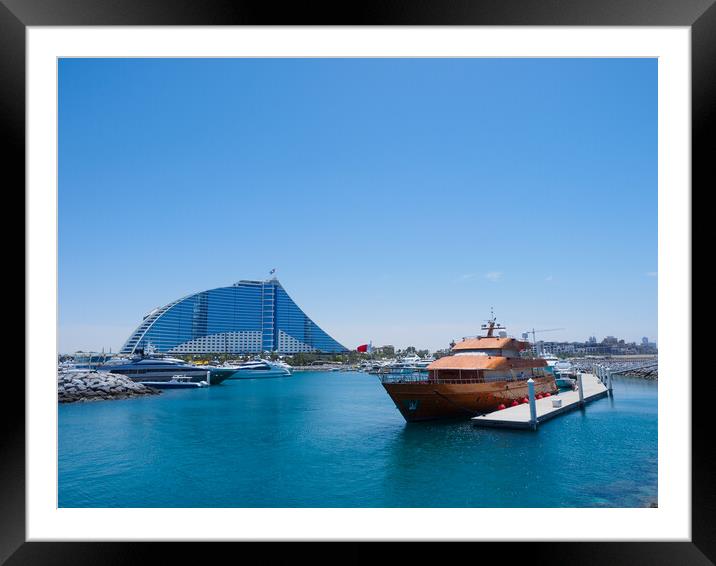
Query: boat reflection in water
(482, 374)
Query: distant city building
(248, 317)
(387, 350)
(609, 346)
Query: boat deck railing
(423, 377)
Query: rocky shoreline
(78, 386)
(648, 369)
(650, 374)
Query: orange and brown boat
(481, 374)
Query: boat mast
(492, 325)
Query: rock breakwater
(98, 386)
(644, 369)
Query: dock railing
(604, 375)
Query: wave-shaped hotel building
(248, 317)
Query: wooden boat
(482, 373)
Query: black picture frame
(16, 15)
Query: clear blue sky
(399, 199)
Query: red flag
(363, 348)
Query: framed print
(408, 275)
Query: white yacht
(425, 362)
(564, 373)
(551, 360)
(377, 366)
(411, 360)
(261, 368)
(407, 365)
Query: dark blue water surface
(329, 439)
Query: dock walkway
(519, 416)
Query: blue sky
(399, 199)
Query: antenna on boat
(492, 325)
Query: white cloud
(465, 277)
(549, 278)
(651, 273)
(493, 276)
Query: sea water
(335, 439)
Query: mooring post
(609, 381)
(208, 377)
(581, 389)
(533, 405)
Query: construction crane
(533, 332)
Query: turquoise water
(329, 439)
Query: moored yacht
(261, 368)
(407, 365)
(160, 368)
(564, 373)
(410, 360)
(481, 375)
(551, 360)
(425, 362)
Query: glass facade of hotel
(248, 317)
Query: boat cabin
(486, 358)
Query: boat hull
(423, 401)
(156, 376)
(220, 374)
(174, 385)
(565, 381)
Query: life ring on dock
(525, 400)
(501, 406)
(514, 403)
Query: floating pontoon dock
(529, 415)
